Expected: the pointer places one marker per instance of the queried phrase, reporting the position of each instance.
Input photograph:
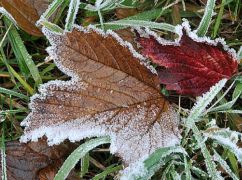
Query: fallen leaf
(35, 160)
(122, 13)
(110, 93)
(190, 67)
(26, 13)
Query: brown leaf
(35, 160)
(110, 93)
(125, 12)
(26, 13)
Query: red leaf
(191, 67)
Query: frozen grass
(22, 69)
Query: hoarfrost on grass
(144, 169)
(72, 12)
(225, 166)
(3, 163)
(239, 54)
(203, 101)
(227, 143)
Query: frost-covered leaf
(110, 93)
(35, 160)
(26, 13)
(191, 65)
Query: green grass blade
(195, 113)
(202, 103)
(26, 86)
(167, 170)
(60, 11)
(5, 36)
(218, 20)
(150, 165)
(11, 36)
(3, 154)
(84, 165)
(236, 9)
(199, 172)
(12, 111)
(211, 166)
(144, 16)
(232, 111)
(76, 155)
(195, 170)
(233, 161)
(206, 19)
(187, 169)
(225, 166)
(220, 97)
(5, 62)
(72, 12)
(148, 15)
(174, 174)
(100, 19)
(225, 142)
(237, 90)
(225, 106)
(239, 54)
(52, 27)
(13, 93)
(13, 73)
(47, 69)
(25, 61)
(141, 23)
(107, 171)
(52, 8)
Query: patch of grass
(23, 69)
